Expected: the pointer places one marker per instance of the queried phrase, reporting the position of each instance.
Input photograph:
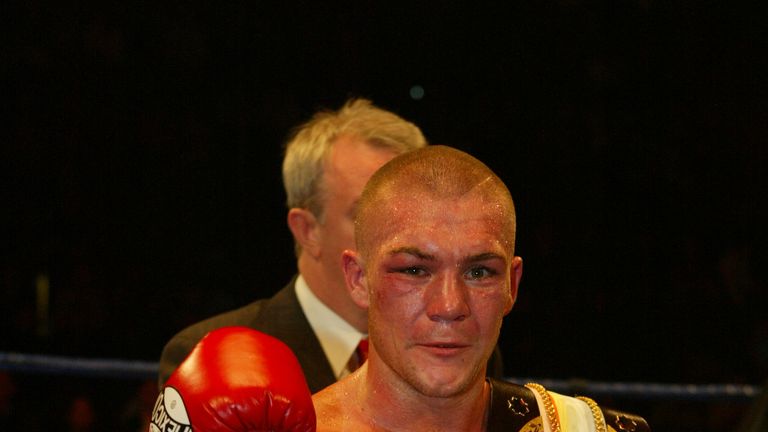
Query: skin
(349, 166)
(437, 277)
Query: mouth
(444, 349)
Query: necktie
(362, 350)
(359, 356)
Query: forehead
(465, 225)
(354, 158)
(348, 166)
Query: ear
(515, 275)
(354, 275)
(304, 227)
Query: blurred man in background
(327, 162)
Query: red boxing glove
(236, 379)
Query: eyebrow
(483, 257)
(418, 253)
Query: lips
(444, 349)
(445, 345)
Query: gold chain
(549, 405)
(597, 413)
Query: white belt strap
(567, 414)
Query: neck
(332, 293)
(466, 411)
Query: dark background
(141, 166)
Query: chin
(443, 391)
(443, 385)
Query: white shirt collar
(338, 338)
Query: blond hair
(311, 143)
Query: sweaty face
(350, 165)
(440, 278)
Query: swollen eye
(413, 271)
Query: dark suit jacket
(280, 316)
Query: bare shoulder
(334, 409)
(326, 401)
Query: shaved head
(433, 173)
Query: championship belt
(531, 408)
(621, 421)
(513, 408)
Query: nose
(447, 300)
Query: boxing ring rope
(74, 366)
(135, 369)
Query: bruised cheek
(396, 298)
(396, 284)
